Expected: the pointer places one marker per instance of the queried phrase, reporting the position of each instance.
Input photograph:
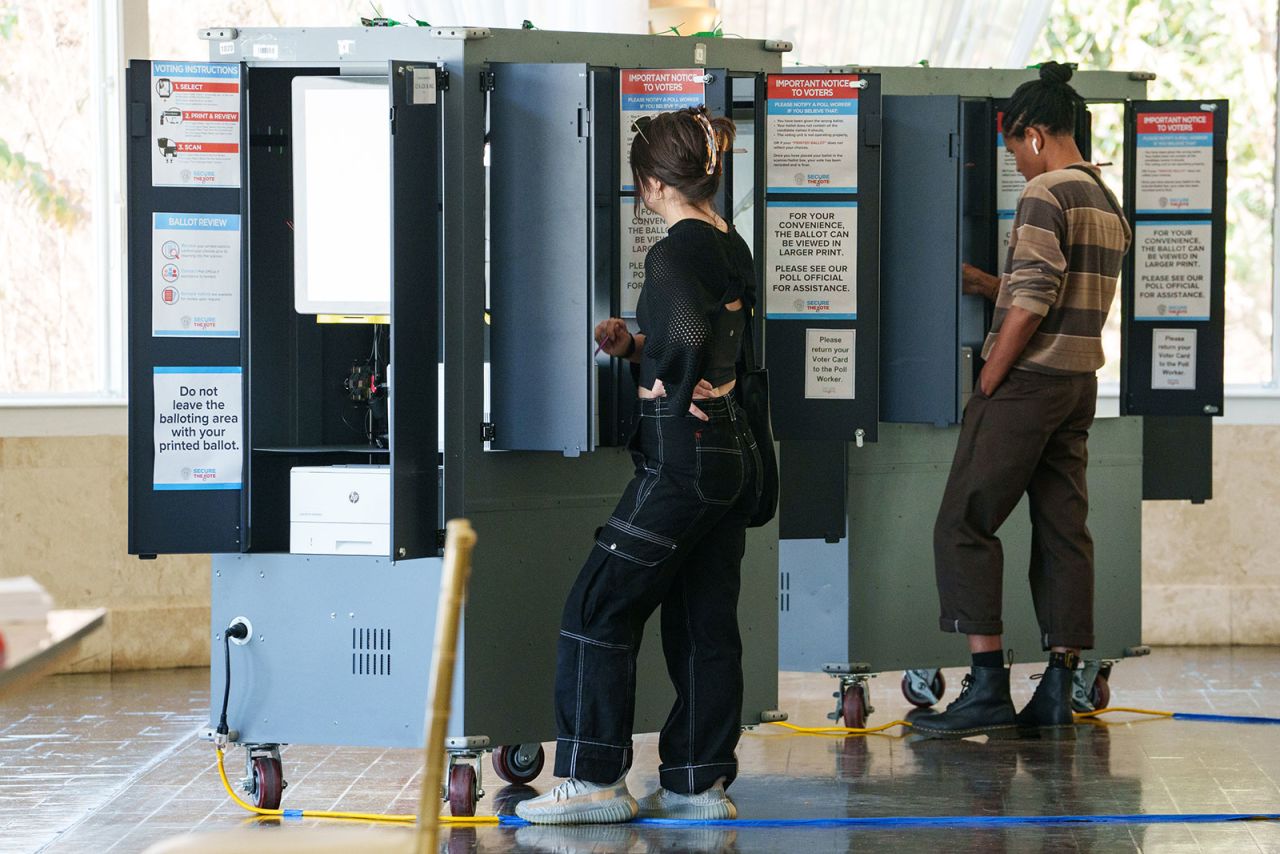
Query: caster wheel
(518, 763)
(1100, 694)
(854, 707)
(462, 790)
(268, 783)
(938, 685)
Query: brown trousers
(1030, 436)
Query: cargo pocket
(718, 478)
(631, 542)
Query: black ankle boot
(983, 705)
(1051, 703)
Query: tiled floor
(111, 763)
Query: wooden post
(459, 541)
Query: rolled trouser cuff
(971, 627)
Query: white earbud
(1035, 146)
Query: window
(1200, 49)
(55, 296)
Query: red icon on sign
(169, 296)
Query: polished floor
(111, 763)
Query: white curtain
(945, 33)
(606, 16)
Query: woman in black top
(677, 536)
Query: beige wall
(1209, 573)
(64, 513)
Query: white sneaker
(713, 804)
(580, 802)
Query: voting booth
(856, 582)
(365, 266)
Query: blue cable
(940, 820)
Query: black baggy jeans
(1030, 437)
(675, 539)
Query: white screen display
(341, 195)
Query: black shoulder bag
(753, 394)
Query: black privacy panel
(1175, 274)
(818, 261)
(415, 308)
(187, 254)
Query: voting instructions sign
(195, 124)
(811, 259)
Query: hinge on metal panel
(584, 122)
(953, 146)
(393, 121)
(440, 535)
(490, 431)
(442, 80)
(487, 83)
(871, 130)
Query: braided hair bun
(1055, 72)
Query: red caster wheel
(938, 685)
(267, 783)
(518, 763)
(462, 790)
(1100, 693)
(853, 707)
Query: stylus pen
(603, 341)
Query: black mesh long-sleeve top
(689, 276)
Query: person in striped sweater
(1026, 427)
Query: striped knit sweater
(1063, 264)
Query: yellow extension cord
(358, 816)
(478, 820)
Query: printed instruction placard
(1173, 359)
(1175, 163)
(813, 133)
(829, 364)
(195, 124)
(1009, 181)
(640, 230)
(649, 91)
(1004, 236)
(811, 262)
(1171, 264)
(195, 275)
(199, 428)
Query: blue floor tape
(940, 820)
(1224, 719)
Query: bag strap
(1097, 179)
(748, 339)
